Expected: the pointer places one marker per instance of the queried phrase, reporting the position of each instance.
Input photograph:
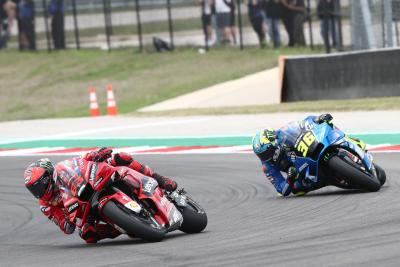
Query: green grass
(51, 85)
(383, 103)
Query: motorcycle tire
(131, 223)
(194, 219)
(353, 175)
(380, 173)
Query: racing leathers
(66, 181)
(280, 159)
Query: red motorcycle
(148, 213)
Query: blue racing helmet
(264, 144)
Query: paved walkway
(256, 89)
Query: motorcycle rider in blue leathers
(270, 146)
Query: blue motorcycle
(324, 155)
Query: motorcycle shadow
(121, 241)
(335, 192)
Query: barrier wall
(342, 76)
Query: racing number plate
(305, 142)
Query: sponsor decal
(98, 182)
(303, 167)
(276, 154)
(163, 201)
(149, 185)
(102, 202)
(93, 172)
(72, 207)
(132, 205)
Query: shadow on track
(126, 241)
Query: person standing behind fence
(26, 16)
(256, 10)
(223, 14)
(56, 11)
(273, 12)
(326, 10)
(293, 12)
(3, 29)
(232, 21)
(207, 7)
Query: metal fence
(375, 23)
(107, 25)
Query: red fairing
(119, 197)
(99, 174)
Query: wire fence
(149, 25)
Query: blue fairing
(320, 138)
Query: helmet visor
(268, 154)
(39, 187)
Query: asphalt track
(249, 225)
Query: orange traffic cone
(111, 104)
(94, 107)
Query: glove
(324, 118)
(291, 176)
(168, 184)
(100, 155)
(165, 183)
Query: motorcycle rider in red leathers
(51, 184)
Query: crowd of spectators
(218, 19)
(265, 17)
(23, 12)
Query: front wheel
(351, 174)
(194, 218)
(136, 226)
(380, 173)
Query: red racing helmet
(38, 178)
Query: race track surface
(249, 225)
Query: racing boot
(91, 234)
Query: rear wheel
(145, 228)
(194, 218)
(353, 175)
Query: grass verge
(51, 85)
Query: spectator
(273, 12)
(293, 12)
(26, 16)
(325, 10)
(232, 21)
(258, 19)
(206, 16)
(7, 16)
(56, 11)
(223, 13)
(3, 27)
